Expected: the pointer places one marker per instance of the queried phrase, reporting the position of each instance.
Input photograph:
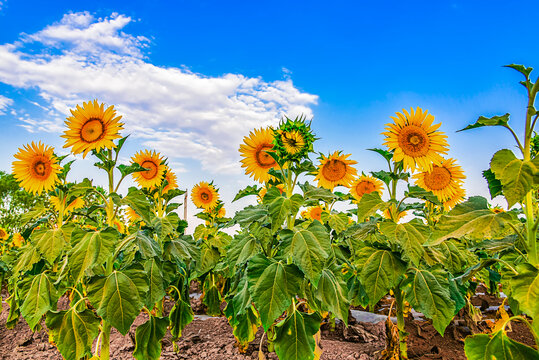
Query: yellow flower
(17, 240)
(443, 180)
(256, 160)
(3, 234)
(172, 181)
(366, 184)
(78, 203)
(119, 225)
(264, 190)
(392, 213)
(221, 213)
(455, 199)
(497, 209)
(293, 141)
(37, 168)
(92, 127)
(75, 204)
(204, 196)
(89, 227)
(416, 142)
(153, 162)
(335, 170)
(313, 213)
(132, 216)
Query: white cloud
(4, 101)
(171, 109)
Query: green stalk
(403, 335)
(105, 343)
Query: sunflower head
(17, 240)
(415, 141)
(293, 140)
(171, 179)
(221, 213)
(119, 225)
(392, 213)
(366, 184)
(92, 127)
(204, 196)
(335, 170)
(455, 199)
(3, 234)
(37, 168)
(154, 162)
(254, 153)
(443, 180)
(77, 203)
(132, 216)
(313, 213)
(497, 209)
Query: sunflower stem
(105, 342)
(400, 323)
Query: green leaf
(242, 248)
(130, 169)
(180, 316)
(493, 121)
(313, 193)
(388, 155)
(141, 242)
(136, 199)
(272, 285)
(454, 258)
(331, 292)
(249, 190)
(165, 226)
(497, 347)
(209, 257)
(338, 221)
(90, 249)
(475, 220)
(410, 236)
(494, 185)
(518, 177)
(369, 204)
(181, 250)
(49, 242)
(525, 290)
(280, 207)
(308, 248)
(295, 336)
(119, 297)
(526, 71)
(39, 297)
(428, 292)
(212, 299)
(417, 192)
(244, 326)
(380, 272)
(73, 331)
(385, 176)
(251, 214)
(156, 282)
(38, 210)
(148, 338)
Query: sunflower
(366, 184)
(442, 180)
(78, 203)
(497, 209)
(3, 234)
(315, 213)
(75, 204)
(264, 190)
(153, 161)
(335, 170)
(132, 216)
(457, 198)
(393, 214)
(256, 160)
(204, 196)
(416, 142)
(119, 225)
(171, 179)
(17, 240)
(221, 213)
(293, 140)
(92, 127)
(37, 168)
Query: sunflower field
(319, 239)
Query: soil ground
(212, 339)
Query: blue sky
(192, 77)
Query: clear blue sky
(362, 61)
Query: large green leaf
(119, 297)
(144, 244)
(165, 225)
(308, 248)
(525, 290)
(454, 258)
(49, 242)
(180, 316)
(181, 249)
(73, 332)
(209, 257)
(272, 286)
(494, 185)
(280, 207)
(410, 236)
(39, 296)
(336, 221)
(251, 214)
(428, 292)
(518, 177)
(242, 248)
(380, 272)
(136, 199)
(497, 347)
(90, 249)
(313, 193)
(331, 292)
(294, 338)
(244, 326)
(493, 121)
(148, 338)
(156, 282)
(369, 204)
(475, 220)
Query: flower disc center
(414, 141)
(152, 172)
(41, 168)
(205, 196)
(365, 187)
(439, 178)
(334, 170)
(263, 158)
(92, 130)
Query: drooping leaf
(119, 297)
(156, 282)
(39, 296)
(272, 285)
(244, 327)
(484, 121)
(331, 292)
(308, 248)
(380, 272)
(73, 331)
(497, 347)
(165, 225)
(212, 299)
(494, 185)
(410, 236)
(148, 338)
(249, 190)
(49, 242)
(144, 244)
(180, 316)
(295, 336)
(525, 290)
(428, 292)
